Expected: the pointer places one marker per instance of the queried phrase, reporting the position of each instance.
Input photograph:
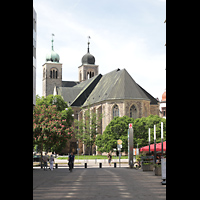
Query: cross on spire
(52, 41)
(88, 44)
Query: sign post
(163, 168)
(130, 145)
(119, 146)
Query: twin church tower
(52, 71)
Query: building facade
(163, 113)
(112, 94)
(34, 55)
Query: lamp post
(154, 144)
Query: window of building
(164, 111)
(115, 111)
(90, 74)
(54, 73)
(133, 112)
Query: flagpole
(149, 140)
(154, 144)
(162, 136)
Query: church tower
(52, 72)
(88, 69)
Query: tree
(51, 128)
(141, 129)
(86, 128)
(118, 129)
(52, 100)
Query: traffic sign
(130, 125)
(119, 141)
(119, 146)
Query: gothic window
(133, 112)
(54, 73)
(115, 111)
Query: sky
(128, 34)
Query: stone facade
(112, 94)
(52, 76)
(143, 108)
(87, 71)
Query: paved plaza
(97, 183)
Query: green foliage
(118, 129)
(52, 123)
(52, 100)
(86, 128)
(141, 130)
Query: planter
(158, 171)
(147, 167)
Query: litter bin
(115, 165)
(56, 165)
(85, 165)
(100, 165)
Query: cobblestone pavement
(97, 183)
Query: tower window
(90, 74)
(54, 73)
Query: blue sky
(128, 34)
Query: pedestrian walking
(45, 159)
(51, 162)
(71, 160)
(109, 159)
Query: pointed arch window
(133, 112)
(115, 111)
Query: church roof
(69, 83)
(68, 93)
(117, 84)
(87, 88)
(76, 95)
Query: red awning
(158, 147)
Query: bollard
(115, 165)
(56, 165)
(85, 165)
(100, 165)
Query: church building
(112, 94)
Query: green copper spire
(52, 56)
